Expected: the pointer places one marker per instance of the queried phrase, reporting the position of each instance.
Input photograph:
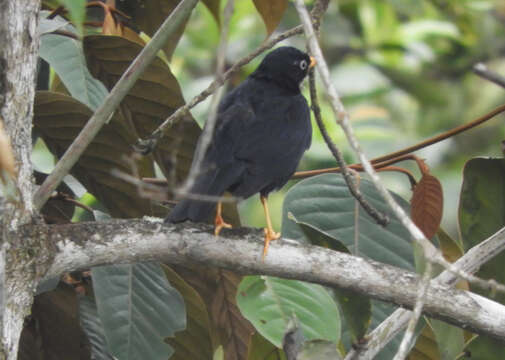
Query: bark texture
(18, 62)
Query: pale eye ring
(303, 64)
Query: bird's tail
(199, 210)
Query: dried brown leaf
(271, 12)
(218, 288)
(59, 118)
(427, 205)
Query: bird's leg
(270, 234)
(218, 221)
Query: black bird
(262, 130)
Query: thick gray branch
(85, 245)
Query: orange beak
(312, 62)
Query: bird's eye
(303, 64)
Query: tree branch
(84, 245)
(389, 328)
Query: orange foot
(269, 236)
(219, 224)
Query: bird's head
(286, 66)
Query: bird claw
(269, 236)
(220, 224)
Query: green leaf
(325, 202)
(66, 57)
(269, 303)
(92, 326)
(356, 308)
(77, 11)
(138, 309)
(271, 12)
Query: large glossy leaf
(325, 202)
(66, 57)
(269, 303)
(271, 12)
(92, 325)
(482, 213)
(197, 340)
(218, 288)
(59, 119)
(152, 99)
(356, 308)
(138, 309)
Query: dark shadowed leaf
(138, 309)
(59, 119)
(218, 288)
(92, 325)
(481, 214)
(269, 303)
(58, 209)
(53, 330)
(427, 205)
(196, 342)
(154, 97)
(271, 12)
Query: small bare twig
(373, 212)
(404, 348)
(483, 71)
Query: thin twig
(397, 155)
(483, 71)
(146, 146)
(404, 348)
(351, 184)
(111, 102)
